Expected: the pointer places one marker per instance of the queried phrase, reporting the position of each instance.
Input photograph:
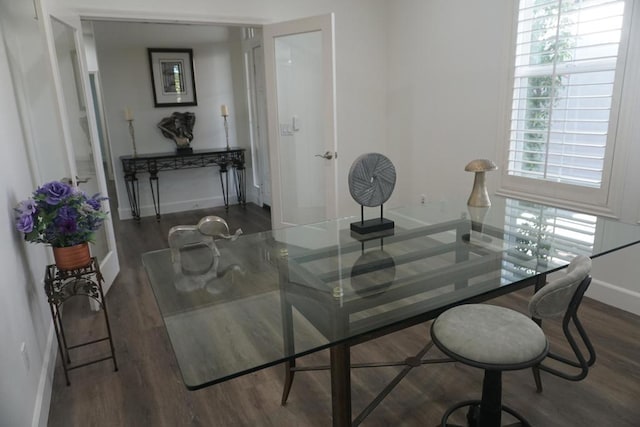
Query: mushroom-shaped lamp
(479, 196)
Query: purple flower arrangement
(60, 215)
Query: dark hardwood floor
(148, 390)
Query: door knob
(327, 155)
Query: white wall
(448, 101)
(449, 73)
(444, 67)
(25, 392)
(24, 314)
(403, 68)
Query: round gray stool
(492, 338)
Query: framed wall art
(172, 77)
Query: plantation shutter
(541, 234)
(565, 67)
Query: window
(564, 85)
(544, 235)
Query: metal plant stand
(60, 285)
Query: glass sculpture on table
(195, 256)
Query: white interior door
(63, 32)
(300, 89)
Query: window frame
(601, 201)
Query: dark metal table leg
(287, 324)
(341, 385)
(541, 280)
(463, 233)
(241, 186)
(133, 194)
(225, 188)
(155, 194)
(289, 372)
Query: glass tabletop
(267, 297)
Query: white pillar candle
(224, 110)
(128, 114)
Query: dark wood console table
(153, 163)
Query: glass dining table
(272, 297)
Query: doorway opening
(228, 71)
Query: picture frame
(172, 77)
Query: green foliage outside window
(531, 240)
(549, 45)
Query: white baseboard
(615, 296)
(124, 211)
(45, 385)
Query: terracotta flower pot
(72, 257)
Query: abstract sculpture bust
(479, 196)
(179, 127)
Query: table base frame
(340, 409)
(340, 366)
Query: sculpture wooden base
(372, 225)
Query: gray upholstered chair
(499, 339)
(561, 298)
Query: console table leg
(133, 193)
(225, 188)
(241, 186)
(155, 195)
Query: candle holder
(133, 137)
(226, 129)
